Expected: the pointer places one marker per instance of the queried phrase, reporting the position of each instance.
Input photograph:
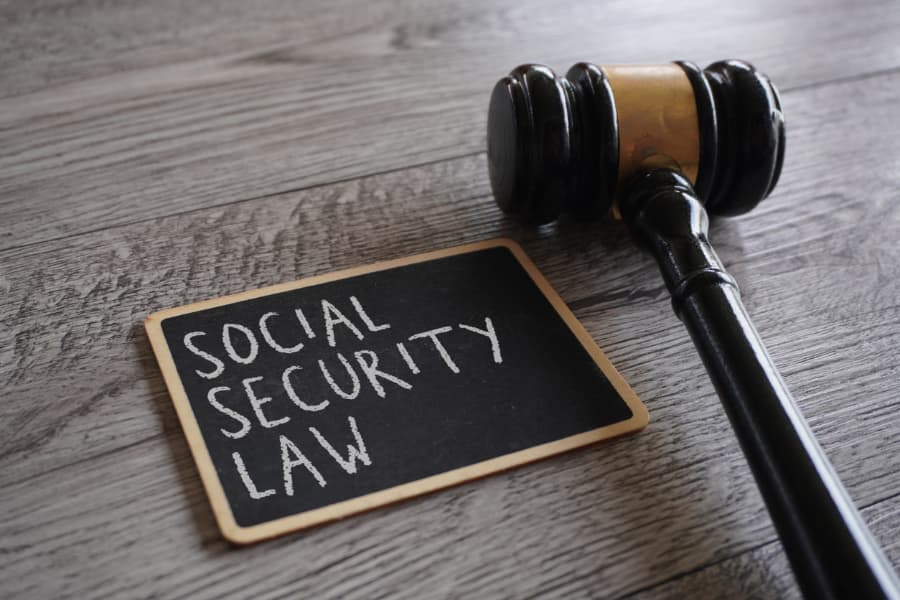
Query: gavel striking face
(573, 144)
(662, 146)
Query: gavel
(661, 147)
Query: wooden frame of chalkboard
(238, 534)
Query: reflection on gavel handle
(830, 549)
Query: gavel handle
(830, 549)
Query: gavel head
(571, 144)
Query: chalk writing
(350, 373)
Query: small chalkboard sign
(313, 400)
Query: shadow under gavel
(661, 147)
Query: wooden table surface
(154, 154)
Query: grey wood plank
(56, 42)
(100, 496)
(764, 572)
(113, 115)
(583, 525)
(509, 535)
(75, 306)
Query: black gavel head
(571, 144)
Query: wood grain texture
(117, 113)
(145, 149)
(764, 572)
(95, 465)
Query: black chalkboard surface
(309, 401)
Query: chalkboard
(313, 400)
